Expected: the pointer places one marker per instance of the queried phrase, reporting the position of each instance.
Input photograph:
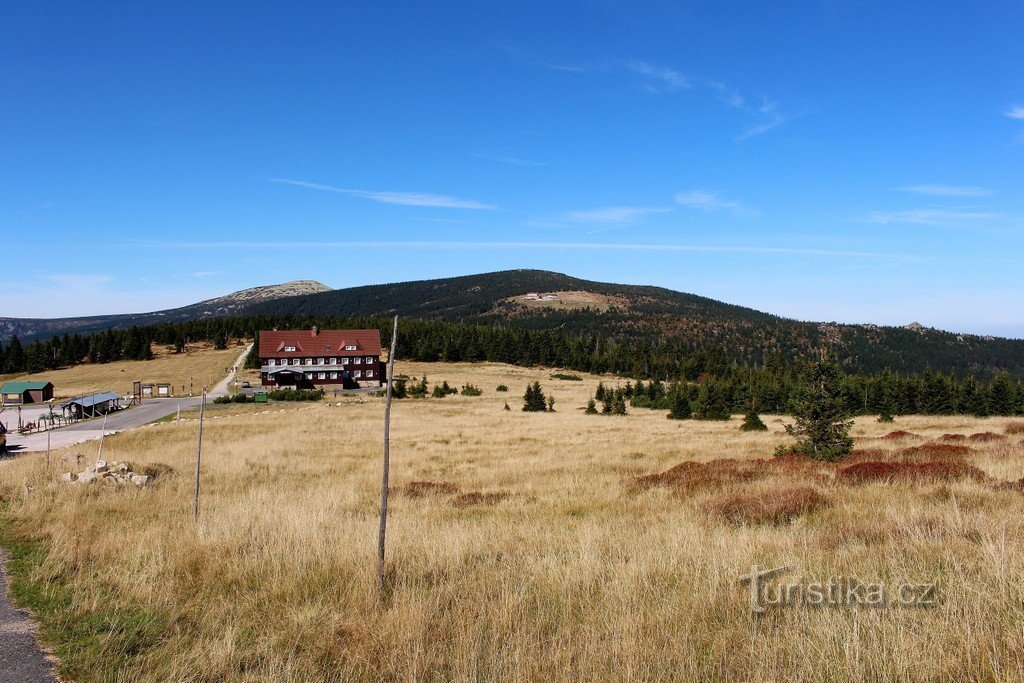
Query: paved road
(21, 659)
(88, 430)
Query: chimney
(315, 331)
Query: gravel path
(21, 659)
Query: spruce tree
(752, 422)
(680, 407)
(1002, 398)
(591, 407)
(619, 407)
(534, 400)
(822, 427)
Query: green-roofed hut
(21, 393)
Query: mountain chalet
(307, 359)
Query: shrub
(752, 422)
(591, 407)
(470, 390)
(534, 400)
(418, 389)
(502, 387)
(773, 506)
(694, 475)
(886, 417)
(874, 470)
(619, 406)
(442, 390)
(221, 400)
(1014, 428)
(900, 434)
(296, 395)
(564, 376)
(680, 407)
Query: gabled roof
(22, 387)
(318, 342)
(93, 399)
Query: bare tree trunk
(199, 456)
(387, 458)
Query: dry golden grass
(527, 550)
(200, 362)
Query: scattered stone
(118, 474)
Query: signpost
(199, 456)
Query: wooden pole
(199, 456)
(103, 433)
(387, 458)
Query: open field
(200, 362)
(523, 546)
(573, 300)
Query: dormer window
(351, 347)
(289, 348)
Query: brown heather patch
(872, 471)
(1017, 485)
(952, 437)
(421, 489)
(776, 506)
(984, 437)
(936, 450)
(1014, 428)
(900, 434)
(696, 475)
(465, 500)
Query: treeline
(886, 394)
(670, 361)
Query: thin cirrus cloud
(400, 198)
(708, 201)
(1015, 112)
(947, 191)
(935, 217)
(766, 114)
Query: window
(282, 361)
(321, 375)
(289, 349)
(344, 361)
(369, 360)
(369, 373)
(334, 375)
(319, 361)
(309, 361)
(351, 347)
(357, 360)
(271, 362)
(357, 373)
(334, 361)
(309, 375)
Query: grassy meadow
(521, 546)
(201, 362)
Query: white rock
(86, 477)
(68, 476)
(140, 479)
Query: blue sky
(850, 161)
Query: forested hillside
(658, 316)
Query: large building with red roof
(307, 359)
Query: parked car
(246, 385)
(3, 438)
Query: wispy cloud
(767, 113)
(936, 217)
(402, 198)
(659, 78)
(1016, 112)
(614, 215)
(946, 191)
(709, 201)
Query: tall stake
(387, 458)
(103, 433)
(199, 456)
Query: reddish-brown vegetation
(1014, 428)
(477, 498)
(1017, 485)
(952, 437)
(936, 450)
(773, 506)
(901, 434)
(692, 474)
(984, 437)
(945, 470)
(419, 489)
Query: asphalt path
(21, 658)
(88, 430)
